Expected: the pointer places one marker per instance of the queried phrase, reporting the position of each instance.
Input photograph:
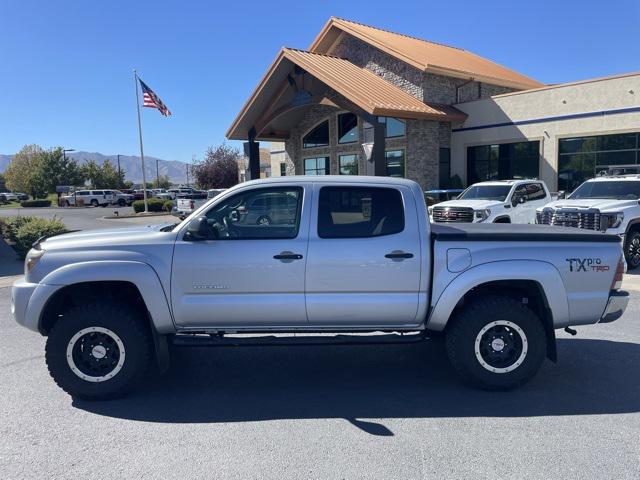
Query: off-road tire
(94, 203)
(464, 331)
(122, 202)
(632, 249)
(120, 319)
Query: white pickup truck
(496, 201)
(340, 255)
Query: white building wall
(536, 110)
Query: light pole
(120, 183)
(66, 180)
(157, 174)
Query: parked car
(608, 204)
(8, 196)
(353, 255)
(120, 198)
(94, 198)
(21, 196)
(190, 201)
(498, 201)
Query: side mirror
(515, 201)
(198, 229)
(562, 195)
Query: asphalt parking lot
(395, 411)
(329, 412)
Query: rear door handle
(288, 256)
(399, 255)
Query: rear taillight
(616, 284)
(193, 205)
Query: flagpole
(144, 175)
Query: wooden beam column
(252, 151)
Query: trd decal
(586, 265)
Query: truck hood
(106, 237)
(475, 204)
(602, 204)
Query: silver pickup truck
(339, 256)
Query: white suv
(609, 204)
(499, 201)
(95, 198)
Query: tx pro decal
(587, 265)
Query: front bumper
(28, 301)
(616, 305)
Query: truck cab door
(229, 272)
(364, 257)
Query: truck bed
(512, 232)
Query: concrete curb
(138, 215)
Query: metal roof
(424, 55)
(358, 85)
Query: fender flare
(632, 224)
(140, 274)
(543, 273)
(495, 220)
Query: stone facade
(423, 138)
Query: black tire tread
(83, 316)
(475, 316)
(628, 239)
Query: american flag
(151, 100)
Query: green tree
(164, 182)
(58, 170)
(25, 172)
(3, 181)
(102, 176)
(92, 172)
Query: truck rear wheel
(98, 351)
(496, 343)
(632, 249)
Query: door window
(535, 191)
(356, 212)
(263, 213)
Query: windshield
(620, 190)
(486, 192)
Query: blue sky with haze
(66, 66)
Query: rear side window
(535, 191)
(356, 212)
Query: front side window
(535, 191)
(347, 128)
(357, 212)
(263, 213)
(394, 160)
(316, 166)
(348, 164)
(318, 137)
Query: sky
(66, 67)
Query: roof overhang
(298, 79)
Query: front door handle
(399, 255)
(288, 256)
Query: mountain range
(130, 164)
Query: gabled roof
(424, 55)
(358, 85)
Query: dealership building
(365, 101)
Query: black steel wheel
(263, 220)
(496, 343)
(632, 250)
(99, 350)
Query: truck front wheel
(632, 249)
(98, 351)
(496, 343)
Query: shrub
(35, 203)
(9, 226)
(155, 205)
(168, 205)
(32, 230)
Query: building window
(393, 127)
(318, 137)
(348, 164)
(394, 161)
(582, 158)
(502, 162)
(283, 169)
(316, 166)
(444, 170)
(347, 128)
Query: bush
(35, 203)
(155, 205)
(168, 205)
(24, 231)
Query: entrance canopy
(298, 79)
